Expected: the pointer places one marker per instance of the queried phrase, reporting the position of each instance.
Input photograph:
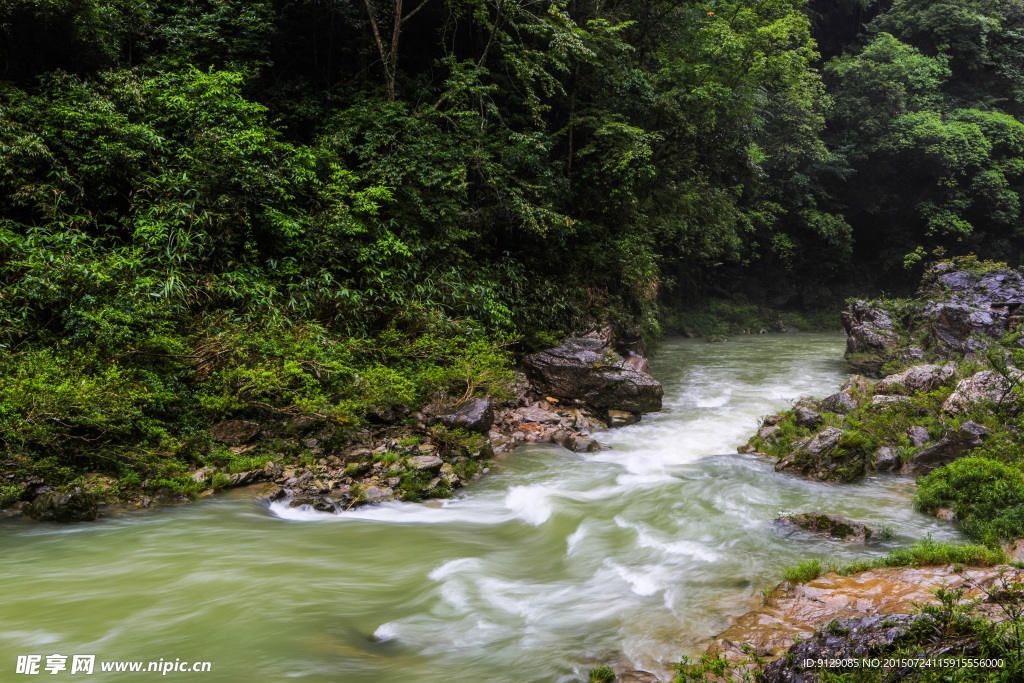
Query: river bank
(943, 405)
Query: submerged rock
(835, 526)
(74, 505)
(586, 369)
(622, 418)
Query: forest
(330, 207)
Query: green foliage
(986, 495)
(602, 674)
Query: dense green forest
(329, 206)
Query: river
(551, 564)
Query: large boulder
(474, 415)
(588, 370)
(919, 378)
(74, 505)
(987, 386)
(964, 304)
(954, 444)
(869, 329)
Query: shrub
(602, 674)
(988, 497)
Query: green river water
(551, 564)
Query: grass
(924, 553)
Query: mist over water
(552, 564)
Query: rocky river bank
(564, 395)
(939, 386)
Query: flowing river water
(553, 563)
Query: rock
(840, 403)
(563, 438)
(858, 384)
(234, 431)
(946, 514)
(919, 378)
(987, 386)
(793, 612)
(585, 445)
(767, 430)
(201, 475)
(638, 363)
(820, 458)
(318, 503)
(843, 639)
(374, 494)
(421, 463)
(535, 414)
(622, 418)
(963, 305)
(74, 505)
(887, 459)
(586, 369)
(951, 446)
(475, 415)
(805, 417)
(869, 329)
(919, 436)
(835, 526)
(888, 400)
(245, 478)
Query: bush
(986, 495)
(602, 674)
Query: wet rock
(421, 463)
(840, 403)
(638, 363)
(887, 459)
(869, 329)
(805, 417)
(622, 418)
(946, 514)
(74, 505)
(953, 445)
(563, 438)
(842, 639)
(234, 431)
(794, 612)
(318, 503)
(820, 458)
(586, 445)
(587, 370)
(374, 494)
(835, 526)
(475, 415)
(987, 386)
(919, 436)
(919, 378)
